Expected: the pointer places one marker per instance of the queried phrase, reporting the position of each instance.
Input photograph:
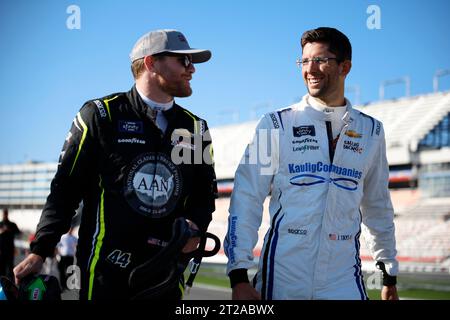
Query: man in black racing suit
(137, 160)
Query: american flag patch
(156, 242)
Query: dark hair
(337, 41)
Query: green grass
(220, 282)
(414, 294)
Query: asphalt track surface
(197, 292)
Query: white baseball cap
(171, 41)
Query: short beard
(176, 89)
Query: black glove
(387, 279)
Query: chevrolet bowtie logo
(353, 134)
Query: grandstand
(418, 138)
(25, 186)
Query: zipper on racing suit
(331, 142)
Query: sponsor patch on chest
(131, 126)
(352, 146)
(131, 141)
(153, 185)
(304, 131)
(353, 134)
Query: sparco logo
(153, 185)
(378, 129)
(274, 121)
(302, 232)
(101, 109)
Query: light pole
(437, 75)
(406, 80)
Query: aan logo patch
(153, 185)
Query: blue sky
(48, 70)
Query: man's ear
(345, 67)
(149, 63)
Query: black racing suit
(132, 184)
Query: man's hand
(244, 291)
(389, 293)
(31, 264)
(192, 243)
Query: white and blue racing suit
(322, 195)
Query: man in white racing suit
(328, 179)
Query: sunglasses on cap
(185, 60)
